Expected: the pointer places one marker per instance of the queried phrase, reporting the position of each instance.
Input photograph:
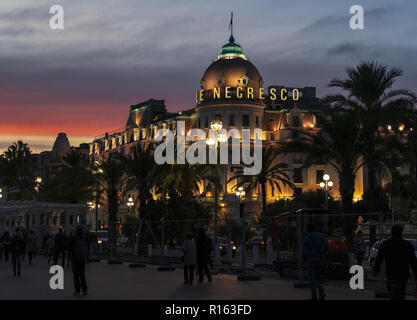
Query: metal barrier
(273, 243)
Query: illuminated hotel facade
(231, 90)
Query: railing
(109, 134)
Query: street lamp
(130, 204)
(38, 181)
(241, 193)
(1, 195)
(326, 184)
(90, 205)
(216, 125)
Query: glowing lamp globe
(216, 125)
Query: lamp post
(326, 184)
(38, 181)
(96, 172)
(241, 193)
(130, 204)
(90, 205)
(216, 125)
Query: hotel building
(223, 95)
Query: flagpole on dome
(231, 39)
(231, 24)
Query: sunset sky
(112, 54)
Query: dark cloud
(116, 55)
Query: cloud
(115, 54)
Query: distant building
(50, 163)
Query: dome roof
(61, 143)
(231, 69)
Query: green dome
(231, 50)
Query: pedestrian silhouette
(204, 248)
(190, 251)
(78, 247)
(399, 257)
(17, 249)
(31, 246)
(314, 247)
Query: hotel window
(272, 137)
(206, 122)
(199, 123)
(319, 176)
(245, 120)
(298, 175)
(257, 122)
(232, 120)
(218, 117)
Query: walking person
(190, 258)
(67, 246)
(79, 255)
(45, 239)
(314, 247)
(6, 245)
(60, 242)
(24, 234)
(50, 249)
(31, 245)
(204, 248)
(399, 257)
(360, 247)
(17, 248)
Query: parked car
(222, 245)
(255, 241)
(101, 236)
(373, 251)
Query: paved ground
(120, 282)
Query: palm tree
(273, 174)
(71, 185)
(211, 179)
(141, 168)
(75, 160)
(368, 88)
(20, 166)
(409, 146)
(184, 179)
(112, 179)
(6, 178)
(338, 144)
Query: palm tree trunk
(113, 207)
(346, 189)
(371, 185)
(263, 187)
